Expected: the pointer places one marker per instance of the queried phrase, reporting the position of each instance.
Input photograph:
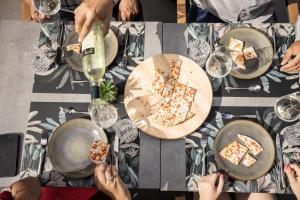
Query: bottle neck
(95, 92)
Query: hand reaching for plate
(293, 54)
(108, 181)
(207, 186)
(293, 173)
(88, 12)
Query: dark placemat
(265, 116)
(46, 116)
(9, 150)
(273, 82)
(61, 80)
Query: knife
(116, 151)
(280, 159)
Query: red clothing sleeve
(51, 193)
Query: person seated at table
(86, 12)
(211, 186)
(107, 181)
(254, 11)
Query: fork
(124, 60)
(203, 143)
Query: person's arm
(207, 186)
(108, 181)
(293, 173)
(26, 189)
(88, 12)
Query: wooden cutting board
(141, 102)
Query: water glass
(198, 51)
(126, 130)
(103, 114)
(287, 107)
(220, 63)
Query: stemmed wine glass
(49, 7)
(220, 63)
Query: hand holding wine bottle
(93, 60)
(88, 12)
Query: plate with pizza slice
(72, 49)
(168, 96)
(251, 51)
(244, 150)
(76, 146)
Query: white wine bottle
(93, 57)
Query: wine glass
(198, 51)
(287, 108)
(220, 63)
(103, 114)
(47, 7)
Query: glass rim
(58, 7)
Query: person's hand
(293, 173)
(108, 181)
(88, 12)
(128, 9)
(292, 53)
(27, 189)
(36, 16)
(207, 186)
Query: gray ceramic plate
(262, 45)
(74, 60)
(264, 160)
(69, 146)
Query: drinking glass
(126, 130)
(287, 107)
(47, 7)
(103, 114)
(220, 63)
(198, 51)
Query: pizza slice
(248, 160)
(74, 47)
(249, 53)
(235, 45)
(158, 83)
(175, 62)
(190, 93)
(174, 72)
(169, 87)
(99, 151)
(238, 59)
(254, 147)
(234, 152)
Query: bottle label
(88, 51)
(88, 44)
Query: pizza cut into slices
(235, 45)
(234, 152)
(74, 47)
(249, 53)
(238, 59)
(254, 147)
(248, 160)
(99, 151)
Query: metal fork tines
(125, 56)
(203, 143)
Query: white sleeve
(298, 28)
